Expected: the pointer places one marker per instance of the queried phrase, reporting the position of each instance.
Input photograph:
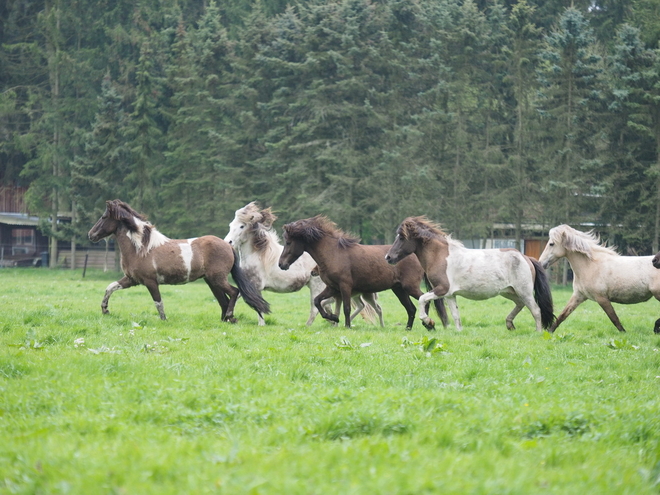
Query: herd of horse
(337, 268)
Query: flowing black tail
(248, 290)
(438, 303)
(543, 294)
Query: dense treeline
(473, 112)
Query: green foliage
(472, 112)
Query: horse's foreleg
(404, 298)
(346, 301)
(428, 323)
(123, 283)
(327, 293)
(573, 302)
(455, 314)
(152, 285)
(609, 310)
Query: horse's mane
(580, 242)
(142, 233)
(314, 229)
(260, 223)
(424, 229)
(252, 214)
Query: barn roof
(19, 219)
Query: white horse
(258, 247)
(600, 273)
(476, 274)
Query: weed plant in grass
(127, 403)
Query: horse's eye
(551, 244)
(242, 226)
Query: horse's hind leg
(359, 306)
(124, 283)
(573, 302)
(220, 289)
(152, 286)
(371, 299)
(514, 312)
(609, 310)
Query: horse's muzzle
(390, 260)
(284, 266)
(656, 261)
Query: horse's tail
(543, 294)
(248, 290)
(438, 303)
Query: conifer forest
(472, 112)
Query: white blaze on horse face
(235, 235)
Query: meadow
(127, 403)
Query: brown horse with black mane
(348, 267)
(150, 258)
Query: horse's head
(404, 245)
(248, 220)
(116, 212)
(294, 244)
(555, 248)
(410, 233)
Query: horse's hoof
(333, 318)
(231, 319)
(104, 311)
(430, 325)
(656, 328)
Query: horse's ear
(124, 214)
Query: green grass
(192, 405)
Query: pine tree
(569, 75)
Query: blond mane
(577, 241)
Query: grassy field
(126, 403)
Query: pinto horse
(350, 268)
(149, 258)
(600, 273)
(475, 274)
(258, 247)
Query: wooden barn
(21, 241)
(23, 244)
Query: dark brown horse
(149, 258)
(350, 268)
